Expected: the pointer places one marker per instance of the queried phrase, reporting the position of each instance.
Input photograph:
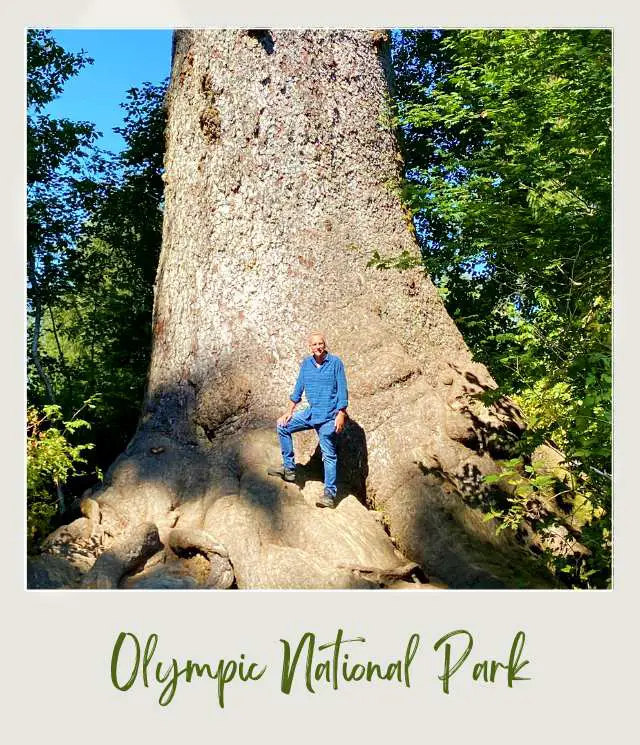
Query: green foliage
(104, 324)
(60, 167)
(52, 458)
(507, 151)
(92, 292)
(403, 261)
(62, 188)
(49, 67)
(506, 136)
(562, 506)
(529, 490)
(94, 233)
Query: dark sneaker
(285, 473)
(326, 500)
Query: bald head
(316, 335)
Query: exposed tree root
(185, 541)
(125, 555)
(382, 576)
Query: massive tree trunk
(281, 174)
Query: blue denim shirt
(325, 388)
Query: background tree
(104, 320)
(59, 189)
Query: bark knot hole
(208, 89)
(210, 124)
(264, 38)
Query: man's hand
(341, 418)
(281, 421)
(285, 417)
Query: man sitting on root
(323, 381)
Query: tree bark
(281, 181)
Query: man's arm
(343, 397)
(294, 399)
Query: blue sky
(123, 59)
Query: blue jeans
(327, 436)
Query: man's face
(318, 346)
